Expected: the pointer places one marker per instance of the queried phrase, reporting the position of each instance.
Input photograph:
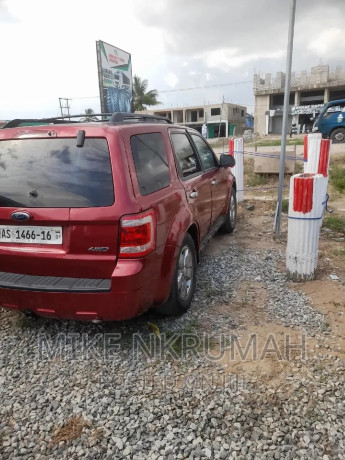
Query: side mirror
(227, 161)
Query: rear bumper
(135, 285)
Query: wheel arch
(194, 233)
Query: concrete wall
(319, 77)
(262, 105)
(229, 114)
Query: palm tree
(142, 97)
(89, 116)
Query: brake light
(137, 234)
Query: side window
(186, 158)
(206, 155)
(151, 163)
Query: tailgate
(57, 208)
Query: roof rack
(125, 117)
(113, 118)
(83, 118)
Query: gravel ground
(67, 391)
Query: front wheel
(184, 280)
(338, 136)
(231, 216)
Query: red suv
(101, 221)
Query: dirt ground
(255, 231)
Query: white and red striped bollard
(236, 149)
(316, 154)
(306, 206)
(316, 158)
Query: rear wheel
(231, 216)
(338, 136)
(184, 280)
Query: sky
(193, 52)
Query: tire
(183, 285)
(231, 216)
(338, 136)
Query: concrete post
(326, 96)
(297, 98)
(239, 168)
(306, 206)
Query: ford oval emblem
(20, 215)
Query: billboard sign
(115, 78)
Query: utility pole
(64, 106)
(285, 117)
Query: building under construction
(309, 93)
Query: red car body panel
(135, 284)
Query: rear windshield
(55, 173)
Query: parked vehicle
(102, 221)
(331, 121)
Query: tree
(142, 97)
(89, 116)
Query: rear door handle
(193, 194)
(214, 182)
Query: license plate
(30, 235)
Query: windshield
(55, 173)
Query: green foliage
(142, 97)
(276, 142)
(337, 178)
(335, 223)
(257, 180)
(298, 167)
(285, 205)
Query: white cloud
(328, 43)
(232, 57)
(171, 79)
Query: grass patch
(337, 178)
(285, 205)
(275, 142)
(335, 223)
(299, 167)
(257, 180)
(336, 304)
(338, 253)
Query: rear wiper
(81, 138)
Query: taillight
(137, 234)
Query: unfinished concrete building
(309, 93)
(221, 120)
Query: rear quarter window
(150, 161)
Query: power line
(205, 86)
(242, 82)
